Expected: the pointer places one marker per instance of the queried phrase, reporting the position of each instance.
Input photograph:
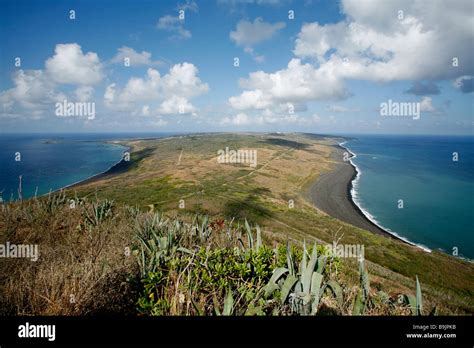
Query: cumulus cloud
(70, 66)
(36, 91)
(176, 105)
(175, 26)
(173, 91)
(32, 90)
(297, 83)
(375, 42)
(136, 58)
(248, 34)
(379, 45)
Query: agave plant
(302, 289)
(201, 228)
(159, 242)
(415, 302)
(256, 244)
(228, 305)
(363, 296)
(53, 202)
(99, 212)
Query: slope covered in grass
(98, 257)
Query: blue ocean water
(52, 161)
(436, 192)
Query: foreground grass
(99, 257)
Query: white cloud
(35, 92)
(315, 40)
(248, 34)
(176, 105)
(371, 44)
(297, 83)
(426, 105)
(32, 90)
(172, 91)
(70, 66)
(381, 47)
(143, 58)
(174, 25)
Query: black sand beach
(331, 194)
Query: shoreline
(352, 194)
(119, 167)
(333, 194)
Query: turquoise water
(50, 162)
(437, 193)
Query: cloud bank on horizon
(241, 65)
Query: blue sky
(328, 70)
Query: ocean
(412, 187)
(49, 162)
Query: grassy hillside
(98, 257)
(165, 173)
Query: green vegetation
(102, 258)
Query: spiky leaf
(228, 304)
(316, 281)
(419, 300)
(289, 283)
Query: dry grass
(81, 269)
(84, 267)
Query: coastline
(333, 193)
(119, 167)
(352, 194)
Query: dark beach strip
(331, 193)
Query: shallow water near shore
(410, 185)
(52, 161)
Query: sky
(237, 65)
